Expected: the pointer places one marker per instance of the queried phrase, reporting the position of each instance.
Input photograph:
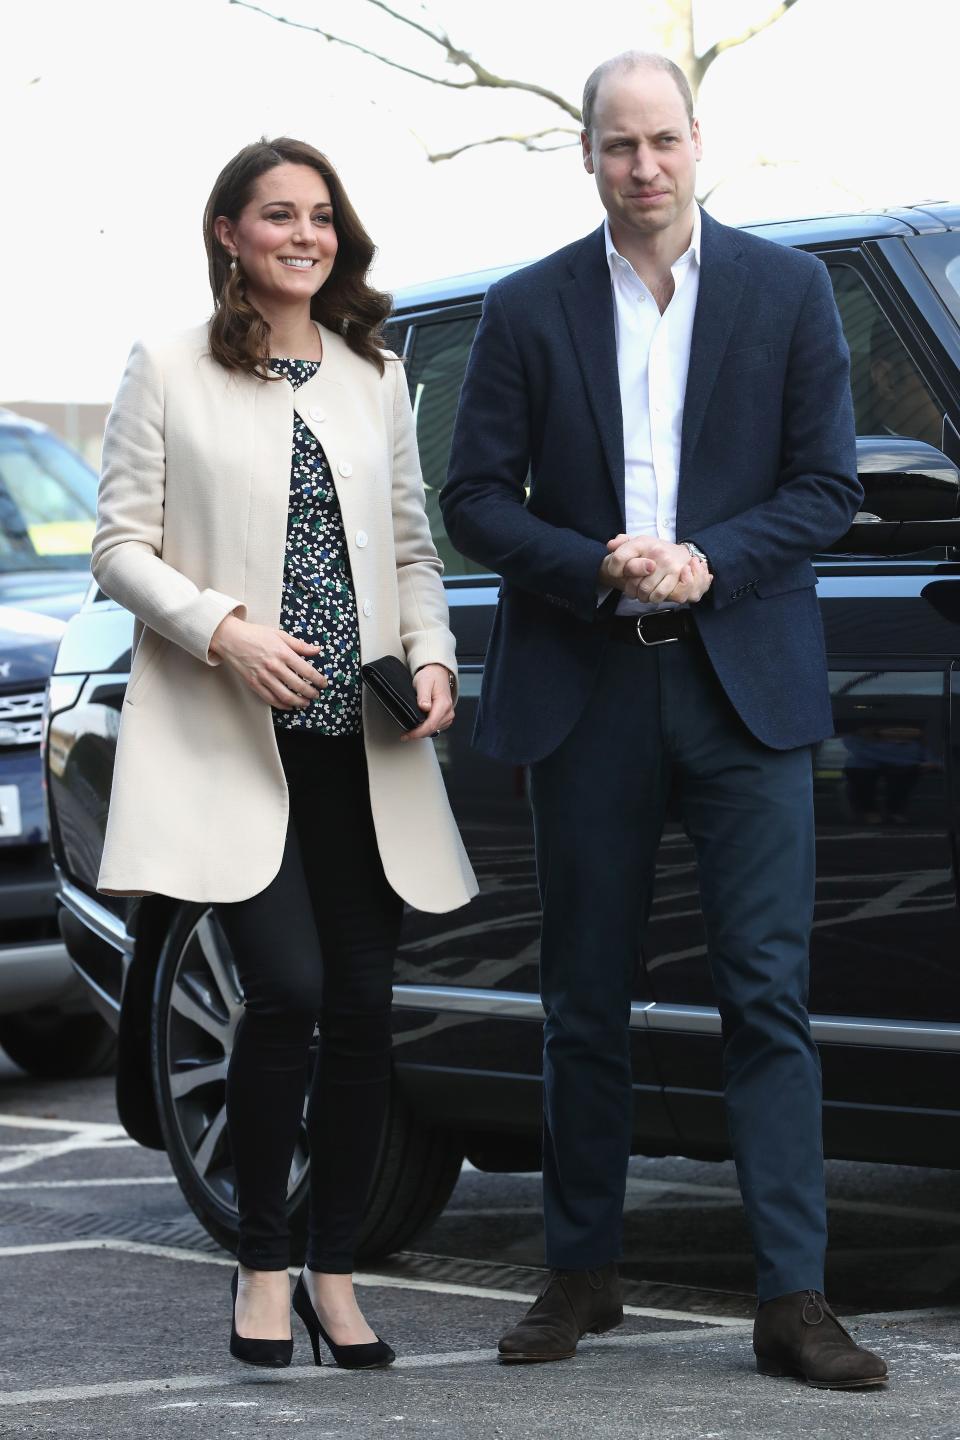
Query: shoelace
(813, 1299)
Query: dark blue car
(47, 512)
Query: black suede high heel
(273, 1353)
(375, 1355)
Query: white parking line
(374, 1281)
(55, 1149)
(74, 1184)
(697, 1326)
(43, 1122)
(80, 1135)
(300, 1373)
(885, 1317)
(481, 1292)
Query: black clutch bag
(391, 682)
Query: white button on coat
(316, 413)
(360, 539)
(368, 607)
(345, 469)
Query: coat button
(361, 539)
(368, 607)
(316, 413)
(345, 469)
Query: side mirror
(911, 499)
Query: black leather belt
(657, 627)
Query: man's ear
(587, 151)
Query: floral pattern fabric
(318, 604)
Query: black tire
(416, 1173)
(53, 1046)
(197, 1004)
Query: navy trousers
(658, 723)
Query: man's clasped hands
(647, 568)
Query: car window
(435, 373)
(890, 396)
(939, 257)
(48, 503)
(395, 336)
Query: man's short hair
(634, 60)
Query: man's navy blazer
(767, 479)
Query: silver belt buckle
(667, 640)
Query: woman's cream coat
(191, 527)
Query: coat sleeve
(128, 542)
(818, 493)
(484, 500)
(424, 617)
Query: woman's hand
(272, 663)
(434, 686)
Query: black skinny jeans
(317, 944)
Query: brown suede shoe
(571, 1304)
(799, 1335)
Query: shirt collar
(615, 260)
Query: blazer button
(368, 607)
(316, 413)
(360, 539)
(345, 469)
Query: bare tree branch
(352, 45)
(441, 38)
(527, 141)
(482, 77)
(675, 24)
(702, 63)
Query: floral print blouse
(318, 604)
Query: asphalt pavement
(115, 1306)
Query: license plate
(10, 822)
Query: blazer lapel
(587, 300)
(722, 277)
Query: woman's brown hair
(239, 335)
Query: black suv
(885, 994)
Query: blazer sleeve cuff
(209, 610)
(434, 648)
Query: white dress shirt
(653, 356)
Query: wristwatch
(696, 552)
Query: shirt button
(345, 469)
(316, 413)
(361, 539)
(368, 607)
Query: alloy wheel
(204, 1010)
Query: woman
(261, 513)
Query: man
(678, 394)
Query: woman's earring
(233, 263)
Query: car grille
(20, 718)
